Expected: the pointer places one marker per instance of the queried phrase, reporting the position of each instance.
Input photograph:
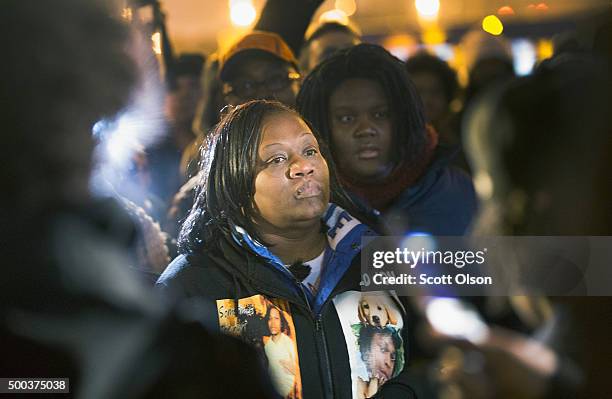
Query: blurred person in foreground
(542, 173)
(272, 229)
(69, 307)
(367, 109)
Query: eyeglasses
(249, 88)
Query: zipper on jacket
(320, 342)
(324, 361)
(321, 345)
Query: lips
(368, 152)
(308, 189)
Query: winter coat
(442, 202)
(344, 342)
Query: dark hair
(330, 26)
(367, 333)
(189, 64)
(228, 162)
(372, 62)
(424, 62)
(284, 324)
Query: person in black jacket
(69, 305)
(271, 229)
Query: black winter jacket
(339, 343)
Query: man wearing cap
(259, 66)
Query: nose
(365, 128)
(376, 320)
(301, 168)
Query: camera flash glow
(427, 8)
(242, 13)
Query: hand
(372, 387)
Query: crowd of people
(235, 270)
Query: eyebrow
(351, 106)
(301, 135)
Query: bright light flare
(483, 184)
(419, 241)
(427, 9)
(505, 10)
(126, 13)
(122, 138)
(242, 12)
(545, 49)
(538, 7)
(492, 25)
(334, 15)
(347, 6)
(156, 43)
(444, 51)
(433, 35)
(524, 55)
(451, 317)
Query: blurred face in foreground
(292, 181)
(362, 130)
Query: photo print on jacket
(372, 326)
(268, 326)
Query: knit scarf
(381, 194)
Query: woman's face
(292, 181)
(274, 322)
(362, 130)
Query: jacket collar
(344, 240)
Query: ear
(392, 320)
(362, 316)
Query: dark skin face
(292, 183)
(259, 68)
(432, 93)
(274, 322)
(327, 44)
(181, 103)
(382, 358)
(362, 130)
